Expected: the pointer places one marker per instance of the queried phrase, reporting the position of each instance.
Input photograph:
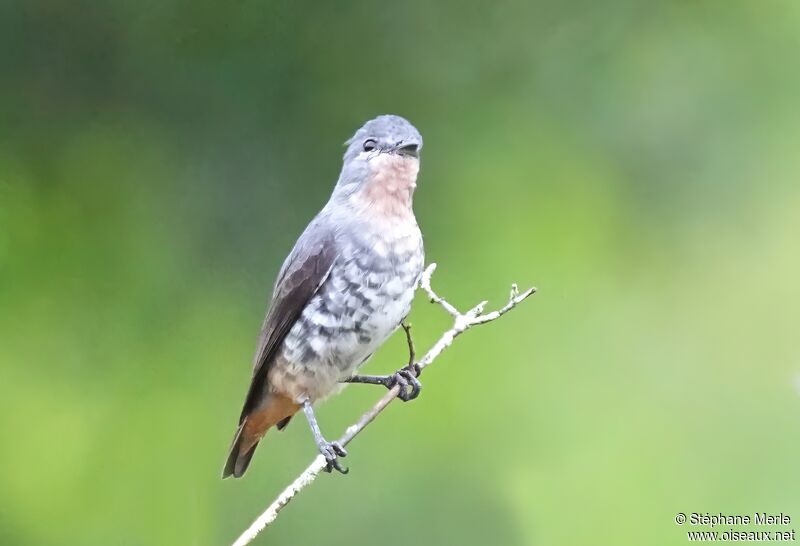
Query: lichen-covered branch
(461, 323)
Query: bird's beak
(409, 149)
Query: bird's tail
(238, 460)
(275, 410)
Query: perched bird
(343, 290)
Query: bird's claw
(332, 451)
(406, 379)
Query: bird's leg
(330, 450)
(409, 384)
(405, 377)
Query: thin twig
(412, 355)
(425, 283)
(462, 322)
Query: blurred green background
(637, 162)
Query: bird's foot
(409, 384)
(332, 451)
(405, 378)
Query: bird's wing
(303, 272)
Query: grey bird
(346, 286)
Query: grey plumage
(343, 289)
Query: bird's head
(384, 135)
(381, 157)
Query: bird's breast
(388, 190)
(368, 292)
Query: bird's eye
(370, 144)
